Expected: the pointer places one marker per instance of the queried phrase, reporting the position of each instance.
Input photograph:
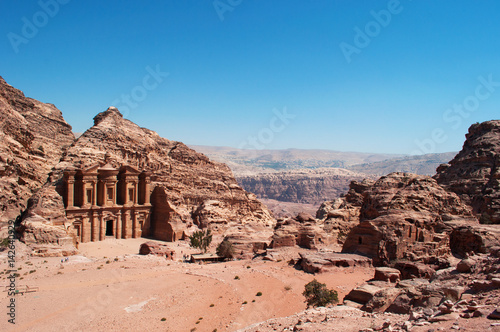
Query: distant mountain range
(251, 162)
(248, 162)
(306, 178)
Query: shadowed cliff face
(474, 173)
(33, 137)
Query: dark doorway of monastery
(109, 228)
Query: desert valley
(97, 232)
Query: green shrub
(317, 295)
(259, 294)
(163, 319)
(201, 240)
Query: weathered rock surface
(341, 215)
(322, 261)
(387, 274)
(303, 231)
(403, 216)
(467, 293)
(474, 173)
(310, 186)
(189, 191)
(33, 137)
(155, 248)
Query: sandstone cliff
(300, 186)
(406, 216)
(189, 191)
(33, 137)
(474, 173)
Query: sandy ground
(109, 287)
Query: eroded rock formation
(341, 215)
(303, 231)
(474, 173)
(188, 190)
(309, 186)
(405, 216)
(33, 137)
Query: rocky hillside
(305, 186)
(33, 137)
(474, 174)
(406, 216)
(189, 191)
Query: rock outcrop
(405, 216)
(323, 261)
(341, 215)
(303, 231)
(33, 137)
(474, 173)
(157, 249)
(465, 293)
(188, 191)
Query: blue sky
(370, 76)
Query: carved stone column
(70, 187)
(102, 227)
(86, 229)
(118, 225)
(95, 226)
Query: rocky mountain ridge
(189, 190)
(33, 137)
(474, 173)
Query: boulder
(322, 261)
(495, 314)
(465, 265)
(382, 299)
(387, 274)
(362, 294)
(157, 249)
(411, 270)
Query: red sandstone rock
(322, 261)
(387, 274)
(155, 248)
(303, 231)
(474, 173)
(187, 191)
(33, 137)
(403, 217)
